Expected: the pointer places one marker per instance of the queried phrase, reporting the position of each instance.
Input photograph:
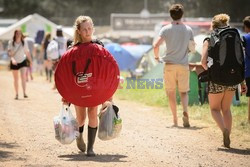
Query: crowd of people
(178, 38)
(24, 52)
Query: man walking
(178, 38)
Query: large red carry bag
(87, 75)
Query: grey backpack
(225, 57)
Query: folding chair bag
(87, 75)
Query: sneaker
(226, 138)
(185, 120)
(16, 98)
(25, 96)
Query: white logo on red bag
(82, 80)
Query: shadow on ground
(190, 128)
(236, 150)
(5, 154)
(97, 158)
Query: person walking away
(62, 47)
(61, 40)
(177, 37)
(31, 45)
(19, 53)
(47, 61)
(246, 38)
(221, 95)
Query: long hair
(46, 40)
(80, 19)
(47, 37)
(14, 37)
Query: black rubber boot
(91, 141)
(79, 140)
(226, 138)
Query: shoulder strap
(206, 39)
(244, 41)
(97, 41)
(18, 48)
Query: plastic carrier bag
(110, 123)
(66, 126)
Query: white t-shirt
(62, 45)
(18, 50)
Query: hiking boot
(226, 138)
(80, 143)
(185, 120)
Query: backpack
(53, 50)
(225, 57)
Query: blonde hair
(78, 21)
(220, 20)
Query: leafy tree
(65, 11)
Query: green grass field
(157, 97)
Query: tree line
(65, 11)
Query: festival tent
(31, 24)
(137, 51)
(106, 41)
(196, 56)
(127, 57)
(124, 59)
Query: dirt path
(27, 136)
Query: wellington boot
(226, 138)
(80, 143)
(91, 141)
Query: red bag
(87, 75)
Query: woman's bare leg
(15, 77)
(215, 101)
(23, 79)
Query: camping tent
(31, 24)
(137, 51)
(124, 59)
(127, 57)
(196, 56)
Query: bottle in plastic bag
(66, 126)
(57, 127)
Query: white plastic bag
(110, 123)
(66, 126)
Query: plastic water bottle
(75, 127)
(64, 128)
(57, 128)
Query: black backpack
(225, 57)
